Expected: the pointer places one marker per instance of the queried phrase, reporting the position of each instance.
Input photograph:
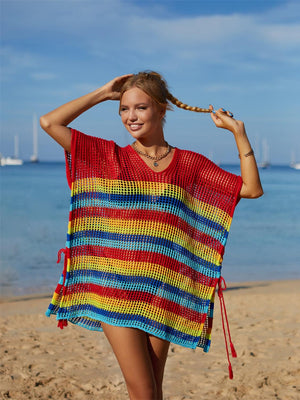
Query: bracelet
(250, 153)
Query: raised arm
(55, 122)
(251, 187)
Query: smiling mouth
(134, 127)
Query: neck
(151, 144)
(154, 157)
(151, 148)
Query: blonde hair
(154, 85)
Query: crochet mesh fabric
(144, 249)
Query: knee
(142, 390)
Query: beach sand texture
(39, 361)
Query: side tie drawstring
(222, 286)
(65, 265)
(63, 250)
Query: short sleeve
(89, 156)
(227, 186)
(209, 182)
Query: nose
(132, 115)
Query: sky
(242, 55)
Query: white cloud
(122, 31)
(14, 60)
(237, 40)
(283, 35)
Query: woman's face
(140, 114)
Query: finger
(218, 113)
(119, 81)
(226, 112)
(213, 113)
(125, 77)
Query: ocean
(263, 243)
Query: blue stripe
(116, 318)
(140, 283)
(144, 243)
(145, 202)
(206, 345)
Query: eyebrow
(137, 104)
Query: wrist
(239, 130)
(248, 154)
(100, 95)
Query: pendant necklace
(155, 159)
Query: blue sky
(242, 55)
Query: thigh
(131, 349)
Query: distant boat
(265, 162)
(294, 164)
(12, 160)
(34, 157)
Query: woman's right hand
(113, 88)
(55, 122)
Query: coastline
(39, 361)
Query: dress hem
(205, 347)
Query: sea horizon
(262, 245)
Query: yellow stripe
(152, 189)
(146, 310)
(146, 270)
(148, 228)
(55, 299)
(69, 227)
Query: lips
(135, 127)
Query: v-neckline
(146, 166)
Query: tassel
(59, 255)
(230, 371)
(62, 323)
(233, 352)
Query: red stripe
(150, 215)
(144, 256)
(58, 288)
(145, 297)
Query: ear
(162, 111)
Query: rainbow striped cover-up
(144, 249)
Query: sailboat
(294, 164)
(12, 160)
(34, 157)
(265, 163)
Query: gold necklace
(154, 158)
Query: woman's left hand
(251, 187)
(224, 119)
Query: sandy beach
(40, 361)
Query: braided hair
(154, 85)
(179, 104)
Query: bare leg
(158, 352)
(141, 358)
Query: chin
(137, 135)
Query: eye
(122, 109)
(142, 107)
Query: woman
(147, 229)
